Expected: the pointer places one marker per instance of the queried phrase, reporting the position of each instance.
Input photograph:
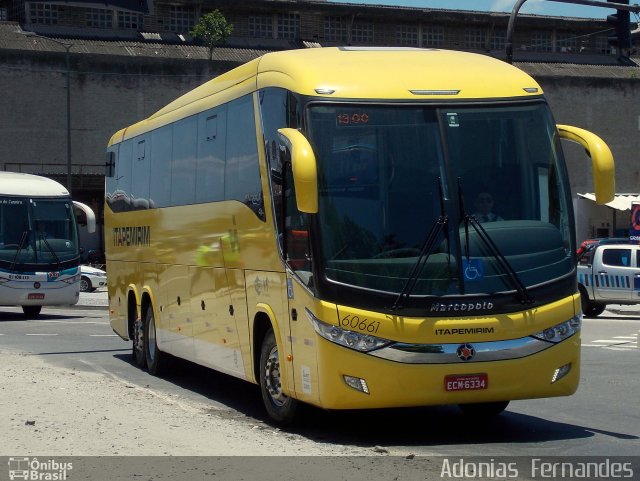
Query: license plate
(466, 382)
(35, 296)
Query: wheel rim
(152, 339)
(272, 378)
(84, 285)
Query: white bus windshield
(37, 232)
(387, 174)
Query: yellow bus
(313, 222)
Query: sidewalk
(97, 299)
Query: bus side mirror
(110, 165)
(602, 164)
(91, 217)
(305, 173)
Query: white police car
(92, 278)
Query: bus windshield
(37, 232)
(387, 174)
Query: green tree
(212, 29)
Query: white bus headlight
(561, 331)
(72, 279)
(351, 339)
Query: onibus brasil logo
(34, 469)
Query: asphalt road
(601, 419)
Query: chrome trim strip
(446, 353)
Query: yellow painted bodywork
(201, 259)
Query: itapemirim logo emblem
(33, 469)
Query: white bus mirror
(91, 217)
(601, 160)
(305, 172)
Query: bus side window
(296, 229)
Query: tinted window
(212, 128)
(183, 168)
(161, 147)
(617, 257)
(242, 172)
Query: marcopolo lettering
(461, 306)
(132, 236)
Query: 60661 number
(364, 325)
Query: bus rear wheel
(280, 407)
(484, 409)
(138, 344)
(156, 359)
(31, 311)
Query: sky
(539, 7)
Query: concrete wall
(609, 108)
(110, 92)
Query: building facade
(126, 59)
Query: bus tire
(484, 409)
(156, 359)
(280, 407)
(31, 311)
(138, 351)
(591, 309)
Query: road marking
(72, 322)
(626, 337)
(610, 341)
(103, 335)
(41, 334)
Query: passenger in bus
(484, 208)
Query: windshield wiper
(486, 239)
(53, 253)
(25, 234)
(425, 251)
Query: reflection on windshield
(378, 196)
(36, 231)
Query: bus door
(614, 273)
(297, 253)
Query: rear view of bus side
(309, 222)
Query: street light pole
(67, 47)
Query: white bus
(39, 248)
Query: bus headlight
(561, 331)
(353, 340)
(72, 279)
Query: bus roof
(27, 185)
(359, 73)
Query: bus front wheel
(155, 358)
(31, 311)
(280, 407)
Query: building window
(541, 42)
(498, 40)
(567, 42)
(182, 19)
(362, 32)
(43, 13)
(432, 36)
(3, 14)
(261, 26)
(475, 38)
(129, 20)
(289, 25)
(335, 29)
(407, 35)
(99, 18)
(603, 45)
